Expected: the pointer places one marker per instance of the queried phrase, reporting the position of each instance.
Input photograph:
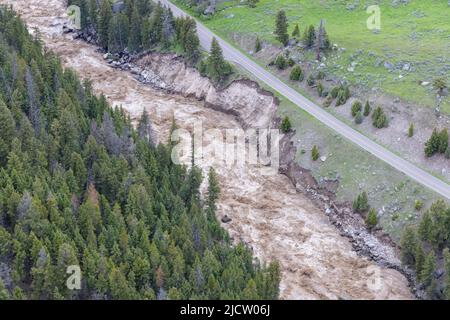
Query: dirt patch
(267, 212)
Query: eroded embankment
(267, 212)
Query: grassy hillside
(415, 34)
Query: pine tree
(411, 130)
(296, 32)
(443, 141)
(4, 294)
(361, 203)
(252, 3)
(118, 33)
(93, 13)
(218, 68)
(315, 153)
(296, 74)
(372, 219)
(191, 46)
(408, 244)
(379, 118)
(104, 19)
(213, 190)
(367, 109)
(446, 254)
(286, 125)
(309, 36)
(281, 26)
(429, 267)
(257, 44)
(426, 227)
(250, 291)
(320, 89)
(281, 62)
(135, 40)
(356, 107)
(419, 257)
(433, 144)
(359, 117)
(7, 132)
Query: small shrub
(315, 153)
(286, 125)
(321, 75)
(379, 118)
(334, 92)
(310, 81)
(367, 109)
(203, 68)
(447, 153)
(258, 45)
(361, 203)
(290, 62)
(359, 117)
(296, 74)
(356, 107)
(411, 130)
(320, 89)
(418, 205)
(328, 101)
(347, 93)
(281, 62)
(372, 219)
(340, 99)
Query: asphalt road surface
(234, 55)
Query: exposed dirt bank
(267, 212)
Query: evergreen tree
(367, 109)
(118, 33)
(7, 132)
(433, 144)
(296, 74)
(252, 3)
(419, 257)
(356, 107)
(281, 26)
(379, 118)
(257, 44)
(191, 46)
(411, 130)
(372, 219)
(309, 36)
(409, 244)
(359, 117)
(104, 19)
(320, 89)
(315, 153)
(134, 39)
(93, 13)
(361, 203)
(443, 141)
(213, 190)
(446, 254)
(286, 125)
(296, 32)
(427, 274)
(218, 68)
(281, 62)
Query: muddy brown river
(267, 213)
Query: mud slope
(266, 211)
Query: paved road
(234, 55)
